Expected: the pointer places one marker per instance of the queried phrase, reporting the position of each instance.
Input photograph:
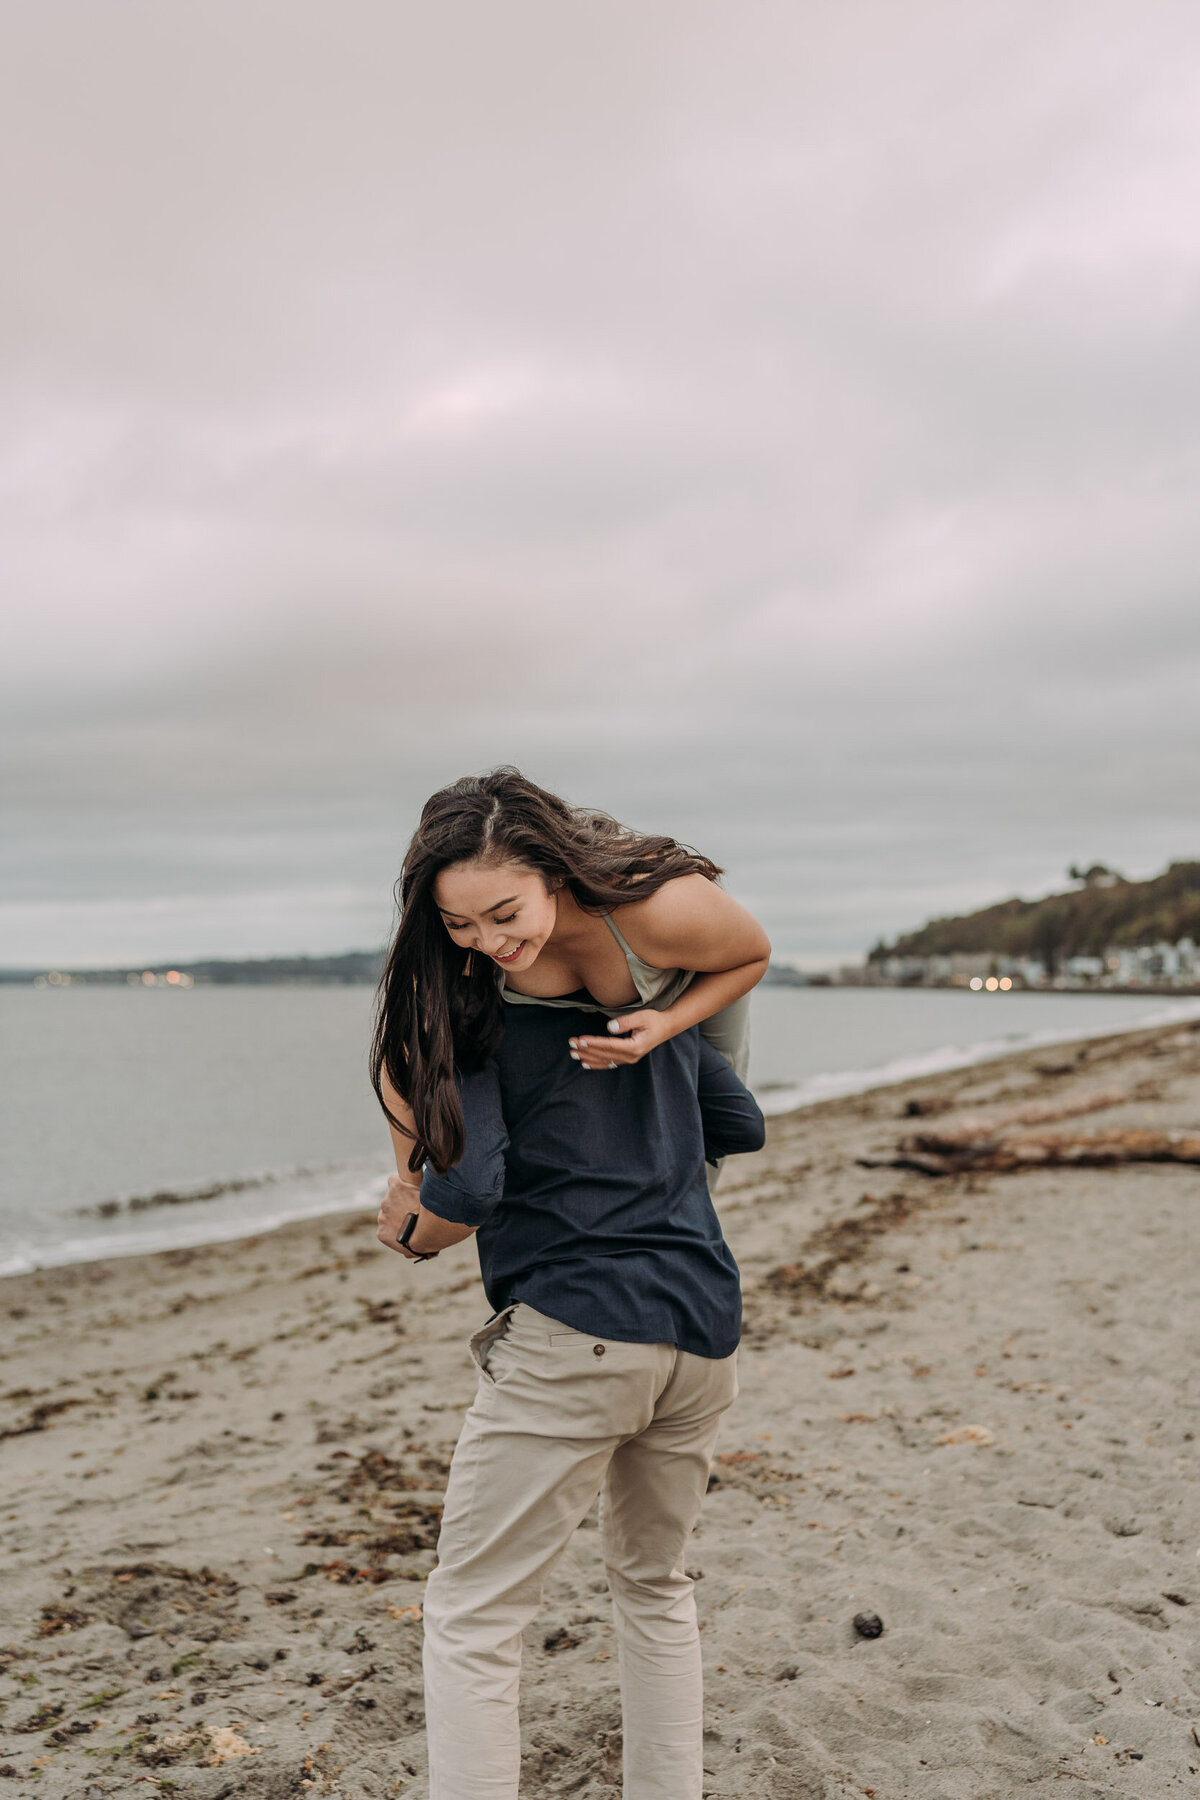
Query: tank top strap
(656, 987)
(630, 955)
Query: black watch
(406, 1231)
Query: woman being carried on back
(509, 895)
(610, 1356)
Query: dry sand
(971, 1413)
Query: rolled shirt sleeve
(469, 1192)
(732, 1120)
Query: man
(607, 1365)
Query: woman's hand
(645, 1030)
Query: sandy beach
(967, 1408)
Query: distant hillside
(352, 967)
(1105, 911)
(349, 969)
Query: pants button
(597, 1349)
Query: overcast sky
(776, 424)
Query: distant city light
(133, 980)
(1005, 983)
(976, 983)
(991, 984)
(148, 978)
(174, 977)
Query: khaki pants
(558, 1416)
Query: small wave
(189, 1234)
(143, 1203)
(774, 1098)
(200, 1191)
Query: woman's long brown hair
(438, 1007)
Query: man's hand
(402, 1198)
(644, 1030)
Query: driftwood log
(955, 1153)
(1003, 1139)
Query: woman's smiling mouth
(512, 955)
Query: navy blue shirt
(588, 1187)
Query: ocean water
(139, 1119)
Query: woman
(510, 896)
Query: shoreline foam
(948, 1058)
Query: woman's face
(503, 910)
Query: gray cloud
(777, 427)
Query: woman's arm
(401, 1144)
(690, 923)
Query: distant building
(864, 974)
(905, 971)
(965, 965)
(1158, 965)
(1121, 967)
(784, 974)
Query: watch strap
(405, 1233)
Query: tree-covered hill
(1105, 911)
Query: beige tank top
(658, 988)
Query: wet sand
(967, 1407)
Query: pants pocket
(484, 1341)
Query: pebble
(868, 1625)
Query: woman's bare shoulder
(687, 922)
(676, 898)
